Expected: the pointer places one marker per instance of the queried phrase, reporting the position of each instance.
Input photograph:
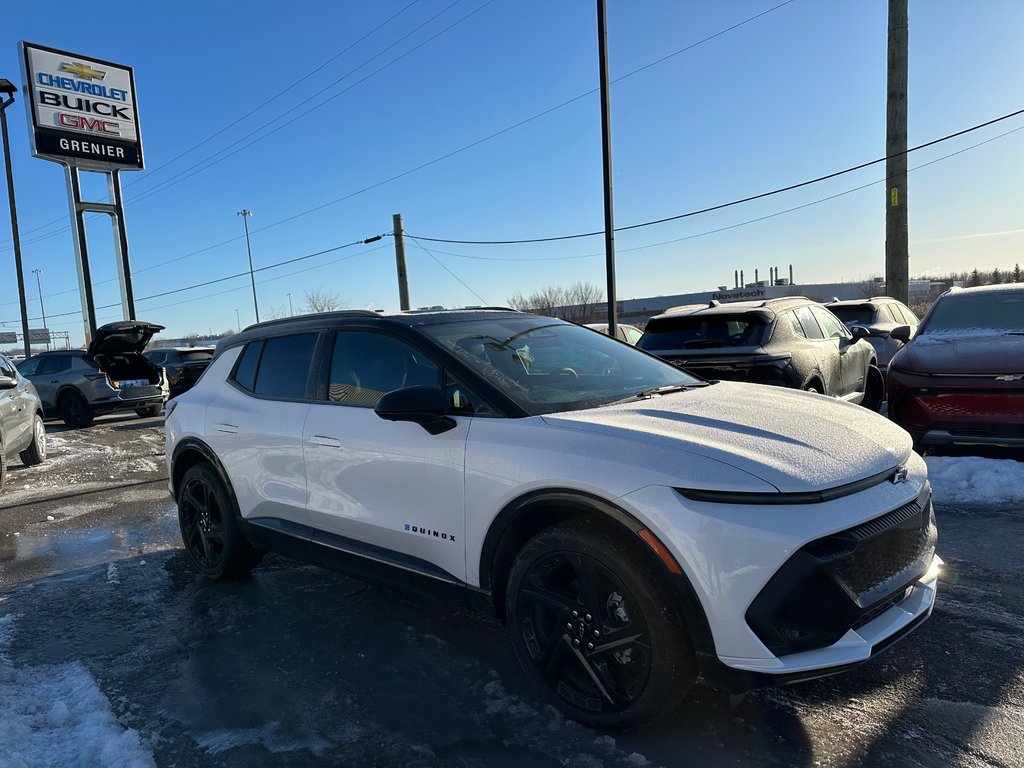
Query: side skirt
(362, 561)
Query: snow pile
(56, 715)
(975, 480)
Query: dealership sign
(83, 110)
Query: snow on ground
(976, 480)
(56, 715)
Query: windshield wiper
(649, 393)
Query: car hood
(796, 441)
(122, 336)
(976, 353)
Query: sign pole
(124, 268)
(78, 235)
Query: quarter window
(366, 365)
(798, 330)
(910, 317)
(245, 372)
(28, 367)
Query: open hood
(121, 337)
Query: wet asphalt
(298, 666)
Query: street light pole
(8, 90)
(290, 310)
(42, 309)
(606, 157)
(245, 214)
(238, 323)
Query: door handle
(329, 442)
(55, 381)
(231, 429)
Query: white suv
(634, 526)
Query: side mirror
(6, 382)
(426, 406)
(900, 333)
(859, 332)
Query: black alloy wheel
(206, 515)
(74, 411)
(593, 624)
(874, 389)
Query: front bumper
(732, 553)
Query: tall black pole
(245, 214)
(606, 156)
(42, 309)
(14, 225)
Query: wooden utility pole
(403, 277)
(897, 247)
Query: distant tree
(322, 300)
(974, 279)
(997, 276)
(1017, 274)
(577, 302)
(275, 313)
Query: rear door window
(30, 367)
(284, 366)
(811, 328)
(829, 323)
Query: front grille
(844, 580)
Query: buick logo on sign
(899, 476)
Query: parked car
(21, 420)
(960, 381)
(108, 377)
(879, 314)
(182, 365)
(634, 527)
(789, 342)
(623, 331)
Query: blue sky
(794, 94)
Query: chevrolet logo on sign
(899, 476)
(83, 71)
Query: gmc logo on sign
(94, 125)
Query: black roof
(321, 320)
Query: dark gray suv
(108, 377)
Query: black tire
(149, 411)
(814, 386)
(874, 390)
(206, 515)
(577, 579)
(36, 452)
(74, 410)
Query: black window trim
(310, 375)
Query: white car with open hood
(635, 527)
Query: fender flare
(195, 445)
(573, 503)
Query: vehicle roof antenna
(714, 303)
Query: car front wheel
(36, 451)
(149, 411)
(206, 515)
(596, 628)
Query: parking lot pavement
(113, 652)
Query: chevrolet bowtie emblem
(1010, 377)
(899, 476)
(84, 71)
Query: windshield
(547, 365)
(703, 332)
(861, 314)
(982, 312)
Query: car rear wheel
(149, 411)
(874, 390)
(74, 410)
(206, 514)
(36, 452)
(594, 626)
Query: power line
(494, 135)
(232, 124)
(731, 203)
(440, 264)
(731, 226)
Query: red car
(960, 381)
